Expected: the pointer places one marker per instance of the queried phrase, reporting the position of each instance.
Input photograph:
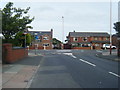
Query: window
(46, 44)
(75, 39)
(96, 38)
(96, 44)
(107, 38)
(45, 38)
(84, 38)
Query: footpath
(106, 55)
(20, 73)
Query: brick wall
(87, 48)
(40, 47)
(10, 55)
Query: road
(74, 69)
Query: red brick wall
(87, 48)
(11, 55)
(39, 47)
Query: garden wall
(10, 55)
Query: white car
(107, 46)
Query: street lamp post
(25, 38)
(62, 31)
(110, 27)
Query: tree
(56, 43)
(14, 20)
(20, 39)
(28, 39)
(117, 28)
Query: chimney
(51, 32)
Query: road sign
(36, 37)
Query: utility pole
(110, 27)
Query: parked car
(107, 46)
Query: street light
(25, 38)
(62, 31)
(25, 33)
(110, 27)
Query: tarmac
(20, 73)
(106, 55)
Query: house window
(46, 44)
(96, 38)
(97, 45)
(45, 38)
(75, 39)
(84, 38)
(107, 38)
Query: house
(42, 39)
(87, 40)
(115, 40)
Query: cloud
(80, 16)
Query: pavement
(105, 54)
(20, 73)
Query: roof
(40, 32)
(88, 34)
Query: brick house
(115, 39)
(42, 39)
(87, 40)
(116, 42)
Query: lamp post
(62, 31)
(110, 27)
(25, 32)
(25, 38)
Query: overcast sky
(78, 16)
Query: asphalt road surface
(75, 69)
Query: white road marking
(70, 54)
(87, 62)
(74, 56)
(63, 50)
(114, 74)
(33, 76)
(98, 51)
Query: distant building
(42, 39)
(87, 40)
(115, 40)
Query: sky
(78, 16)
